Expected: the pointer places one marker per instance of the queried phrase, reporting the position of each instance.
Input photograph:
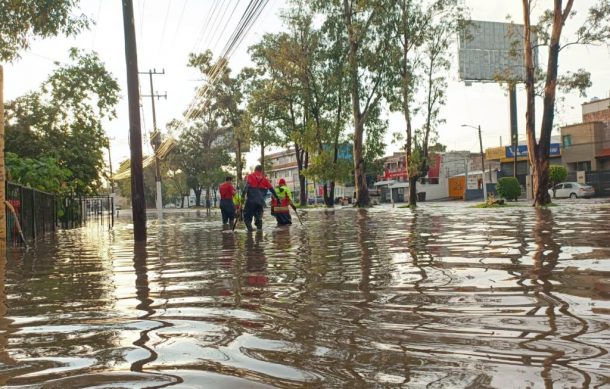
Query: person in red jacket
(255, 192)
(227, 208)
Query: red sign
(392, 175)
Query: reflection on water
(444, 296)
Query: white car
(572, 190)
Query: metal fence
(35, 211)
(599, 180)
(76, 211)
(40, 212)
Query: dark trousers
(283, 218)
(227, 209)
(253, 210)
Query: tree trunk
(539, 151)
(362, 193)
(182, 200)
(238, 161)
(263, 155)
(2, 175)
(331, 193)
(413, 191)
(197, 197)
(300, 154)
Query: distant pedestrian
(208, 205)
(227, 207)
(255, 192)
(281, 209)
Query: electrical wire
(179, 22)
(251, 14)
(205, 26)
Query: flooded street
(446, 296)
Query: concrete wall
(596, 111)
(587, 140)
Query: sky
(168, 30)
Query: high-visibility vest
(237, 200)
(285, 195)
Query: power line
(205, 25)
(179, 22)
(250, 15)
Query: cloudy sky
(168, 30)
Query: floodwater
(446, 296)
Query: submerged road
(445, 296)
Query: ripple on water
(444, 296)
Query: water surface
(446, 296)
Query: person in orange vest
(227, 208)
(255, 192)
(281, 208)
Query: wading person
(255, 192)
(227, 207)
(281, 209)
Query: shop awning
(603, 153)
(389, 182)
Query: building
(586, 145)
(505, 156)
(284, 165)
(394, 185)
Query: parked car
(572, 190)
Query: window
(583, 165)
(567, 186)
(566, 140)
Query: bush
(509, 188)
(557, 174)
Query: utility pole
(138, 203)
(155, 138)
(483, 166)
(110, 166)
(512, 90)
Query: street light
(482, 159)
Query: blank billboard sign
(489, 51)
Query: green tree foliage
(22, 20)
(557, 174)
(422, 33)
(360, 26)
(63, 119)
(203, 150)
(43, 174)
(509, 188)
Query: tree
(362, 22)
(549, 30)
(20, 21)
(43, 174)
(63, 119)
(423, 32)
(557, 174)
(274, 57)
(204, 145)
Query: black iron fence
(76, 211)
(32, 213)
(32, 210)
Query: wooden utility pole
(138, 204)
(155, 139)
(2, 175)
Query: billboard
(345, 150)
(522, 150)
(492, 51)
